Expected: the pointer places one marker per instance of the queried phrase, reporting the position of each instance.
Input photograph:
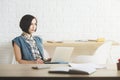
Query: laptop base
(56, 62)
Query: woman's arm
(18, 56)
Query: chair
(14, 60)
(100, 56)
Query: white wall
(62, 19)
(69, 19)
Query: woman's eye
(33, 24)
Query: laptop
(61, 55)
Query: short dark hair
(25, 22)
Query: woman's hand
(39, 61)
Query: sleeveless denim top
(25, 47)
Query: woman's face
(33, 26)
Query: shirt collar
(27, 36)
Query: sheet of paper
(65, 69)
(96, 66)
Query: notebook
(75, 69)
(61, 55)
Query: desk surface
(21, 71)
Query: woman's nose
(34, 25)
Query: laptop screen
(62, 54)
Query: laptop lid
(62, 54)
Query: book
(75, 69)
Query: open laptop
(61, 55)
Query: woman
(28, 49)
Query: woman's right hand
(39, 61)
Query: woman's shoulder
(18, 38)
(37, 37)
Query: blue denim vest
(25, 47)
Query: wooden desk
(25, 72)
(80, 47)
